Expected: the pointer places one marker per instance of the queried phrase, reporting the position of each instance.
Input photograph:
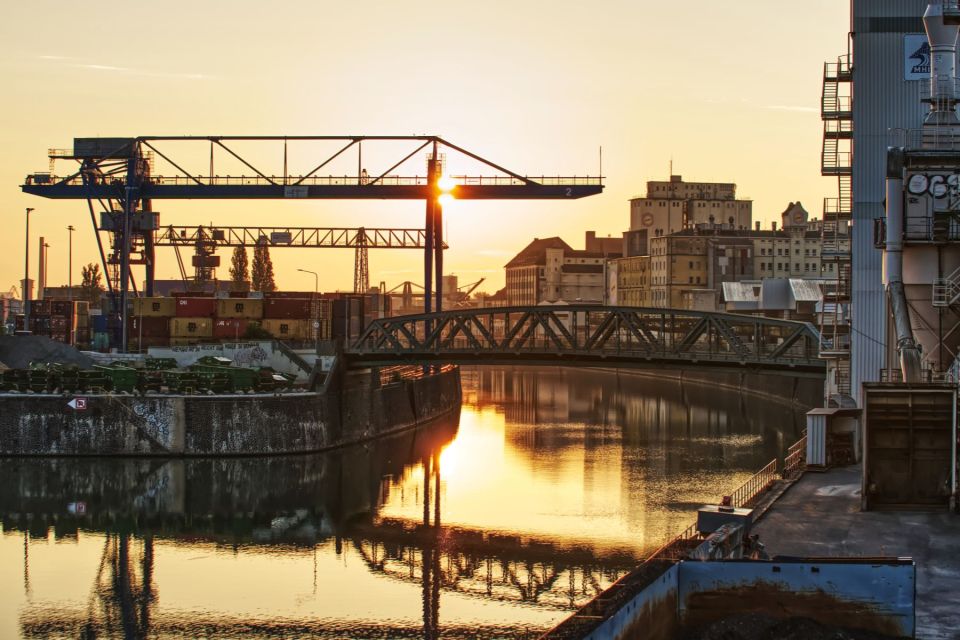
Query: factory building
(676, 205)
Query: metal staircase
(946, 291)
(836, 111)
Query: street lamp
(25, 290)
(316, 320)
(70, 264)
(46, 262)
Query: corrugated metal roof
(740, 292)
(805, 290)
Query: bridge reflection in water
(555, 484)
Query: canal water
(551, 485)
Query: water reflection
(552, 485)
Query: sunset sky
(728, 90)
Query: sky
(727, 91)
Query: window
(796, 266)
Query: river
(552, 484)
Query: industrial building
(548, 270)
(686, 269)
(676, 205)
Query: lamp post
(46, 262)
(313, 310)
(70, 264)
(25, 290)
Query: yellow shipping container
(246, 308)
(191, 328)
(284, 329)
(156, 307)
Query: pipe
(943, 56)
(893, 256)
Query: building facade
(675, 205)
(549, 271)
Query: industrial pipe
(943, 61)
(906, 345)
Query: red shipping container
(230, 328)
(148, 327)
(294, 308)
(196, 307)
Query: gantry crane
(122, 175)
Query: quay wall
(871, 595)
(217, 425)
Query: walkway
(820, 516)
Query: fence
(796, 457)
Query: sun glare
(446, 184)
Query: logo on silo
(922, 57)
(916, 57)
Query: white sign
(916, 57)
(77, 508)
(78, 404)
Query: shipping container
(185, 341)
(275, 295)
(156, 307)
(288, 329)
(99, 324)
(230, 328)
(148, 327)
(39, 307)
(246, 308)
(199, 327)
(196, 307)
(296, 308)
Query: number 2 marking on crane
(569, 191)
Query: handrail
(757, 484)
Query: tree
(91, 283)
(263, 268)
(239, 270)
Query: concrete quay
(820, 515)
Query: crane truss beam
(302, 237)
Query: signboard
(296, 192)
(281, 237)
(78, 404)
(916, 57)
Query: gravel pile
(17, 352)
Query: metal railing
(345, 180)
(756, 485)
(796, 457)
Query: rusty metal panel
(870, 594)
(908, 445)
(651, 614)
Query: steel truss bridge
(590, 335)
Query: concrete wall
(44, 424)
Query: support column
(438, 251)
(149, 253)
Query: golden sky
(729, 90)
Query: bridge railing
(594, 330)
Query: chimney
(758, 225)
(773, 225)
